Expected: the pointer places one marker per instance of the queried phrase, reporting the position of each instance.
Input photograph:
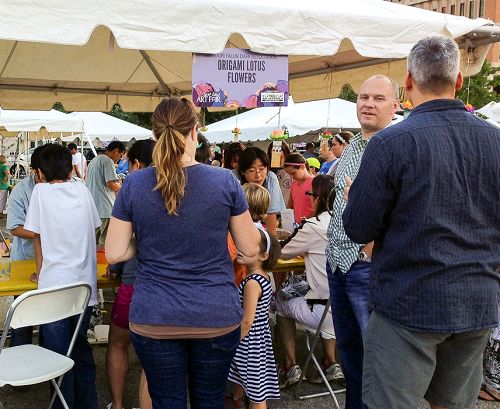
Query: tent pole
(90, 143)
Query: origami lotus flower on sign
(236, 131)
(279, 134)
(325, 135)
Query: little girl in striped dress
(254, 367)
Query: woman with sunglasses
(309, 240)
(253, 167)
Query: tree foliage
(481, 88)
(348, 93)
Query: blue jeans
(174, 366)
(21, 336)
(350, 299)
(79, 384)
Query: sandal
(485, 395)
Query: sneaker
(289, 378)
(333, 373)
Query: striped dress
(254, 366)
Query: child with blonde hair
(258, 199)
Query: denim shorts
(401, 367)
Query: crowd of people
(398, 227)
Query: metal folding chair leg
(311, 357)
(58, 393)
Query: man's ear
(408, 82)
(460, 81)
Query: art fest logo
(239, 78)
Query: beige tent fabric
(91, 55)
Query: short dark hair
(274, 250)
(202, 154)
(248, 157)
(55, 162)
(35, 156)
(324, 187)
(142, 151)
(116, 145)
(310, 145)
(72, 146)
(230, 151)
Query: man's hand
(348, 183)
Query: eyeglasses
(252, 171)
(311, 194)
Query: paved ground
(37, 396)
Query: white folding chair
(32, 364)
(316, 335)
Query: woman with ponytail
(185, 313)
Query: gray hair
(434, 64)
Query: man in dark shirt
(427, 192)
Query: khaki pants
(101, 232)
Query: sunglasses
(311, 194)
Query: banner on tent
(240, 78)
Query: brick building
(489, 9)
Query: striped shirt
(341, 251)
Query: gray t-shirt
(102, 170)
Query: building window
(471, 9)
(452, 9)
(481, 8)
(461, 9)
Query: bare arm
(21, 232)
(114, 186)
(120, 243)
(251, 294)
(245, 234)
(271, 220)
(75, 168)
(38, 252)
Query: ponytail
(173, 119)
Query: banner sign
(240, 78)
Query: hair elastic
(268, 238)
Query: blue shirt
(428, 193)
(19, 200)
(325, 167)
(185, 274)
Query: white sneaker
(333, 373)
(289, 378)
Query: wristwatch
(363, 256)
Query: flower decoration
(236, 131)
(325, 135)
(407, 105)
(279, 134)
(470, 107)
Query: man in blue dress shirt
(427, 192)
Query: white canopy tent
(38, 123)
(106, 128)
(299, 119)
(35, 125)
(90, 55)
